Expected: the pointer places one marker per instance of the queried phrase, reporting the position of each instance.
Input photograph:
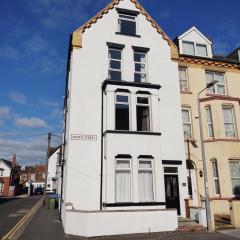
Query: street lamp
(208, 212)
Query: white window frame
(146, 65)
(189, 123)
(215, 87)
(124, 103)
(116, 60)
(215, 178)
(123, 170)
(186, 80)
(153, 177)
(125, 17)
(150, 109)
(233, 120)
(209, 123)
(195, 44)
(238, 161)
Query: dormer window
(127, 22)
(194, 49)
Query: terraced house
(220, 110)
(125, 168)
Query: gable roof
(194, 29)
(8, 163)
(77, 34)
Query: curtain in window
(235, 177)
(228, 122)
(123, 181)
(188, 48)
(201, 50)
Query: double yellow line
(20, 225)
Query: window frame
(233, 121)
(215, 87)
(150, 110)
(215, 178)
(124, 103)
(238, 161)
(120, 18)
(153, 178)
(190, 122)
(116, 60)
(124, 170)
(201, 44)
(187, 79)
(146, 65)
(195, 44)
(209, 124)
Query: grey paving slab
(233, 233)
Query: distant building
(27, 173)
(40, 173)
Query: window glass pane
(143, 118)
(123, 164)
(185, 116)
(228, 115)
(145, 186)
(219, 77)
(122, 98)
(209, 77)
(217, 186)
(214, 169)
(140, 57)
(145, 164)
(115, 64)
(170, 170)
(235, 169)
(140, 67)
(114, 54)
(220, 89)
(139, 78)
(123, 186)
(182, 74)
(122, 117)
(201, 50)
(127, 27)
(115, 75)
(142, 100)
(188, 48)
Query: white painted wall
(89, 68)
(7, 169)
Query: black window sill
(134, 204)
(129, 35)
(132, 132)
(131, 84)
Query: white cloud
(5, 111)
(30, 122)
(47, 103)
(17, 97)
(165, 14)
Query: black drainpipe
(101, 175)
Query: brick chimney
(14, 161)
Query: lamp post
(208, 211)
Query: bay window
(209, 122)
(235, 176)
(229, 123)
(215, 177)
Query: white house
(124, 162)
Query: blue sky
(33, 53)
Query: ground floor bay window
(145, 183)
(235, 176)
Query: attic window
(194, 49)
(127, 22)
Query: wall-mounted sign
(83, 137)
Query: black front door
(172, 192)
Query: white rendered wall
(92, 224)
(89, 68)
(6, 171)
(52, 169)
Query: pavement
(232, 232)
(46, 226)
(12, 209)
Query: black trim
(140, 49)
(146, 156)
(129, 35)
(143, 92)
(115, 45)
(171, 162)
(122, 90)
(130, 84)
(134, 204)
(127, 11)
(123, 156)
(132, 132)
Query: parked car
(38, 191)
